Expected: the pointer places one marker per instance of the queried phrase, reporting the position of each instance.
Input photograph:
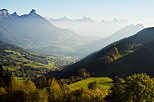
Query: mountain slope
(36, 33)
(125, 57)
(13, 57)
(120, 34)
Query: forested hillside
(122, 58)
(124, 32)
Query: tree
(135, 88)
(94, 85)
(55, 94)
(115, 51)
(83, 73)
(30, 87)
(2, 93)
(5, 77)
(41, 82)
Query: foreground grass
(104, 81)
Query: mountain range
(66, 19)
(35, 33)
(89, 27)
(127, 51)
(85, 19)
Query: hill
(103, 81)
(27, 64)
(126, 31)
(123, 58)
(13, 57)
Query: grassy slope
(104, 81)
(52, 61)
(18, 56)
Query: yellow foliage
(2, 91)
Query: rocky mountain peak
(15, 14)
(4, 13)
(33, 11)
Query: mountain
(62, 19)
(4, 13)
(66, 19)
(35, 33)
(115, 20)
(99, 44)
(122, 58)
(86, 26)
(85, 19)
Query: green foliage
(135, 88)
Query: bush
(94, 85)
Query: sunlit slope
(103, 81)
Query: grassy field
(104, 81)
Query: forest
(134, 88)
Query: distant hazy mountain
(115, 20)
(120, 34)
(4, 13)
(34, 32)
(63, 19)
(88, 27)
(131, 55)
(66, 19)
(85, 19)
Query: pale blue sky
(96, 9)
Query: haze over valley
(76, 51)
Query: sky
(134, 10)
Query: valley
(46, 58)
